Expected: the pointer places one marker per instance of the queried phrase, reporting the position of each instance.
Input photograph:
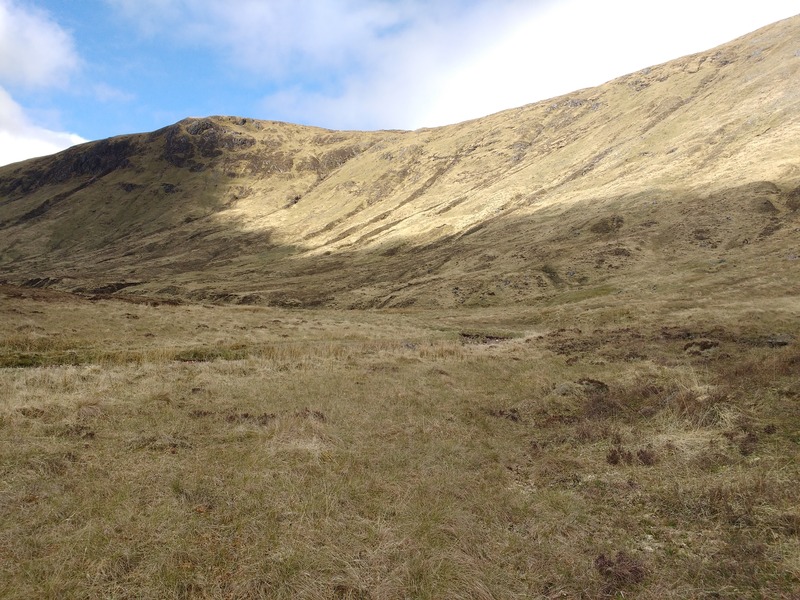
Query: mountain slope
(678, 180)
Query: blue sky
(73, 70)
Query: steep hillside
(679, 180)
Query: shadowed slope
(681, 175)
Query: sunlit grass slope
(685, 174)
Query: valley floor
(584, 450)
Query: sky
(77, 70)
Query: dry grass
(569, 368)
(386, 455)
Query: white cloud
(34, 53)
(337, 63)
(386, 63)
(584, 43)
(296, 38)
(21, 139)
(34, 50)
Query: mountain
(679, 181)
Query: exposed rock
(94, 159)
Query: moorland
(550, 353)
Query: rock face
(204, 138)
(94, 159)
(696, 161)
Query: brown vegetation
(192, 451)
(552, 353)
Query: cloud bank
(35, 53)
(21, 139)
(388, 64)
(338, 63)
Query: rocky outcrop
(199, 137)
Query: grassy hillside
(551, 353)
(655, 178)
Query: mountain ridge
(575, 194)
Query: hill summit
(681, 179)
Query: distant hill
(679, 181)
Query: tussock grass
(378, 455)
